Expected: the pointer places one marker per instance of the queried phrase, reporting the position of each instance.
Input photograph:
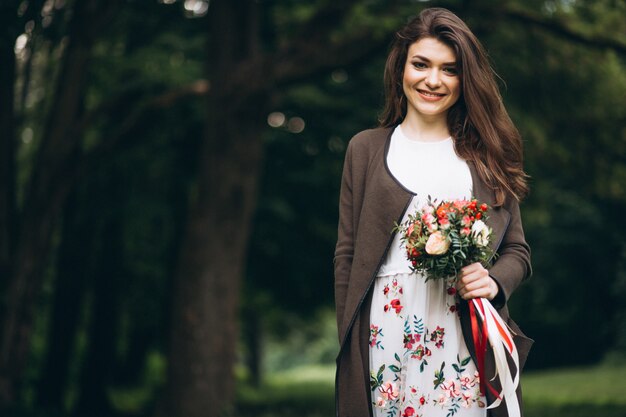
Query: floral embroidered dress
(419, 362)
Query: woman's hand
(475, 282)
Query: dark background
(170, 171)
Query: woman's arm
(512, 266)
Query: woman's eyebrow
(423, 58)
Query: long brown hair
(480, 125)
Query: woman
(406, 344)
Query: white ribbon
(501, 341)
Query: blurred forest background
(169, 179)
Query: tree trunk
(8, 209)
(97, 371)
(253, 338)
(8, 21)
(204, 324)
(51, 181)
(72, 271)
(203, 338)
(31, 255)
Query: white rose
(437, 244)
(481, 233)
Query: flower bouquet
(442, 238)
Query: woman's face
(430, 82)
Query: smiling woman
(407, 346)
(430, 83)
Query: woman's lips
(430, 96)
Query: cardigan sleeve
(512, 265)
(344, 249)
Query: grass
(600, 385)
(576, 392)
(304, 392)
(572, 392)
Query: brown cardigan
(371, 201)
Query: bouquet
(444, 237)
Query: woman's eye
(419, 65)
(451, 70)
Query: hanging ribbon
(494, 330)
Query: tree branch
(560, 28)
(313, 51)
(167, 99)
(163, 100)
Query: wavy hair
(480, 125)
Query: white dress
(419, 362)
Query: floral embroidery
(439, 376)
(394, 304)
(420, 352)
(388, 397)
(396, 291)
(409, 412)
(395, 288)
(415, 370)
(374, 333)
(437, 337)
(463, 391)
(451, 302)
(410, 339)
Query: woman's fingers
(475, 282)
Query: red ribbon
(480, 345)
(480, 335)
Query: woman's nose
(433, 79)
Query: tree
(50, 181)
(243, 76)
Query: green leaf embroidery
(439, 376)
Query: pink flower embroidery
(374, 332)
(451, 389)
(437, 336)
(466, 400)
(467, 381)
(420, 352)
(388, 391)
(410, 339)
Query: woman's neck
(424, 128)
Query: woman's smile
(430, 96)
